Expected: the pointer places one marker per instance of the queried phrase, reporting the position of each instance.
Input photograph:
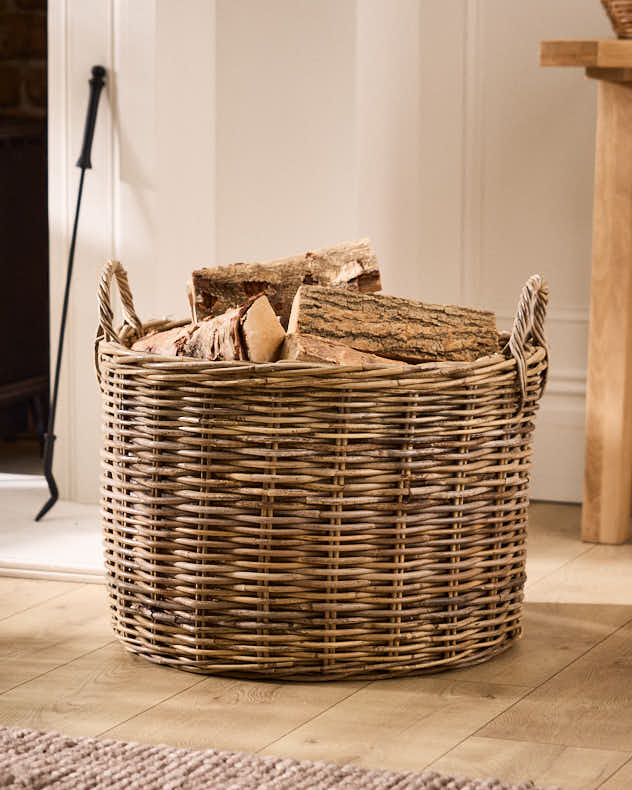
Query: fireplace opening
(24, 301)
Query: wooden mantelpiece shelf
(608, 456)
(605, 53)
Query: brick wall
(23, 58)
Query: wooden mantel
(610, 53)
(608, 455)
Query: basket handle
(529, 324)
(106, 316)
(105, 330)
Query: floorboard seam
(555, 743)
(41, 603)
(57, 666)
(313, 718)
(560, 567)
(151, 707)
(554, 675)
(475, 732)
(615, 772)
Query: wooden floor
(556, 708)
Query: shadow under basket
(310, 522)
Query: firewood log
(217, 338)
(170, 343)
(249, 332)
(261, 331)
(393, 327)
(309, 348)
(350, 265)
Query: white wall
(388, 142)
(285, 125)
(241, 129)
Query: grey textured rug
(35, 760)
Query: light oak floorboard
(400, 724)
(554, 636)
(233, 714)
(547, 765)
(92, 693)
(54, 633)
(552, 539)
(601, 575)
(620, 780)
(16, 595)
(588, 704)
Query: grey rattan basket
(294, 520)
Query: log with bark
(170, 343)
(249, 332)
(309, 348)
(393, 327)
(351, 265)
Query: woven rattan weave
(294, 520)
(620, 13)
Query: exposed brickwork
(23, 57)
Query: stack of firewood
(322, 306)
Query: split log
(309, 348)
(394, 327)
(350, 265)
(170, 343)
(249, 332)
(217, 338)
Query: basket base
(326, 674)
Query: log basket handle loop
(529, 326)
(105, 330)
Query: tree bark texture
(351, 265)
(393, 327)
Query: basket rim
(115, 355)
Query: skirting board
(52, 573)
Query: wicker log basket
(300, 521)
(620, 13)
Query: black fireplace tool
(96, 84)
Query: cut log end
(261, 331)
(191, 301)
